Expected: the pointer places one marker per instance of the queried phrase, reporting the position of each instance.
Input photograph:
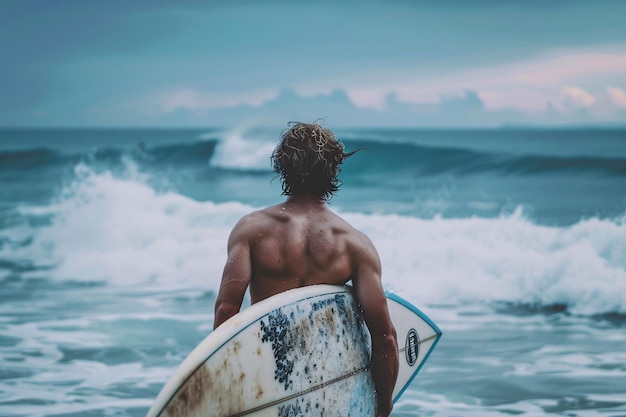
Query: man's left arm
(236, 276)
(370, 295)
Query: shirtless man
(302, 242)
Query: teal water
(513, 241)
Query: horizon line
(604, 126)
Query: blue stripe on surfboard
(424, 317)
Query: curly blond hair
(308, 160)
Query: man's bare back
(301, 243)
(298, 243)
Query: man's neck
(305, 200)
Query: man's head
(308, 160)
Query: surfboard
(304, 352)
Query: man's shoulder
(251, 219)
(258, 219)
(357, 238)
(360, 247)
(339, 221)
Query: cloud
(184, 99)
(469, 102)
(517, 97)
(530, 86)
(572, 105)
(263, 108)
(617, 96)
(194, 100)
(577, 97)
(569, 66)
(337, 107)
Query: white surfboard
(304, 352)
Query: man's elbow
(224, 311)
(389, 341)
(385, 342)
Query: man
(302, 242)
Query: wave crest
(509, 259)
(118, 229)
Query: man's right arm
(373, 303)
(236, 276)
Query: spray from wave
(507, 259)
(120, 230)
(236, 150)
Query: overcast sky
(403, 62)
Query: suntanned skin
(302, 242)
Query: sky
(434, 63)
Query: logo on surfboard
(412, 347)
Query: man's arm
(373, 303)
(236, 276)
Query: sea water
(112, 244)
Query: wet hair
(308, 160)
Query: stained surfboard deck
(304, 352)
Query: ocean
(112, 243)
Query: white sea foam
(503, 259)
(236, 150)
(122, 231)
